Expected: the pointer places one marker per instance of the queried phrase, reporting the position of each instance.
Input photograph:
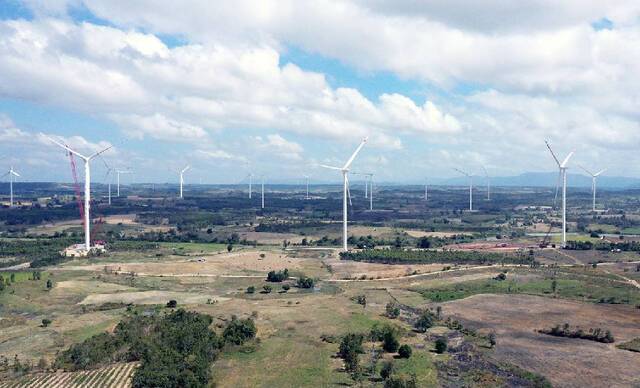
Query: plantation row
(401, 256)
(115, 376)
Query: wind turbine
(426, 190)
(346, 195)
(187, 167)
(563, 175)
(11, 174)
(594, 177)
(87, 188)
(118, 172)
(486, 174)
(106, 176)
(368, 182)
(306, 177)
(470, 187)
(262, 192)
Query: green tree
(267, 289)
(441, 345)
(404, 351)
(425, 321)
(392, 310)
(390, 341)
(492, 339)
(49, 284)
(46, 322)
(239, 330)
(251, 290)
(350, 348)
(229, 247)
(172, 304)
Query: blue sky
(281, 88)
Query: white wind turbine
(367, 183)
(187, 167)
(470, 187)
(594, 178)
(12, 173)
(106, 177)
(262, 190)
(486, 174)
(563, 176)
(345, 183)
(306, 177)
(426, 190)
(87, 189)
(118, 172)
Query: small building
(78, 250)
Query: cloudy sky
(277, 87)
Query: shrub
(401, 382)
(251, 289)
(278, 277)
(286, 287)
(405, 351)
(392, 310)
(46, 322)
(305, 282)
(425, 321)
(239, 330)
(492, 339)
(441, 345)
(267, 289)
(172, 304)
(387, 369)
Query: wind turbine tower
(594, 178)
(262, 190)
(346, 195)
(118, 172)
(470, 187)
(187, 167)
(563, 176)
(306, 177)
(12, 173)
(87, 188)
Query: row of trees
(400, 256)
(593, 334)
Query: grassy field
(597, 289)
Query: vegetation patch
(593, 334)
(401, 256)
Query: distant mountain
(547, 179)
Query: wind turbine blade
(552, 153)
(186, 168)
(461, 172)
(330, 167)
(566, 160)
(14, 173)
(67, 148)
(555, 198)
(587, 171)
(599, 172)
(486, 174)
(355, 153)
(100, 152)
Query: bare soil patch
(565, 362)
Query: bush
(239, 331)
(425, 321)
(392, 310)
(401, 382)
(267, 289)
(278, 277)
(405, 351)
(387, 369)
(305, 282)
(172, 304)
(441, 345)
(251, 290)
(46, 322)
(286, 287)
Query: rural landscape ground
(483, 298)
